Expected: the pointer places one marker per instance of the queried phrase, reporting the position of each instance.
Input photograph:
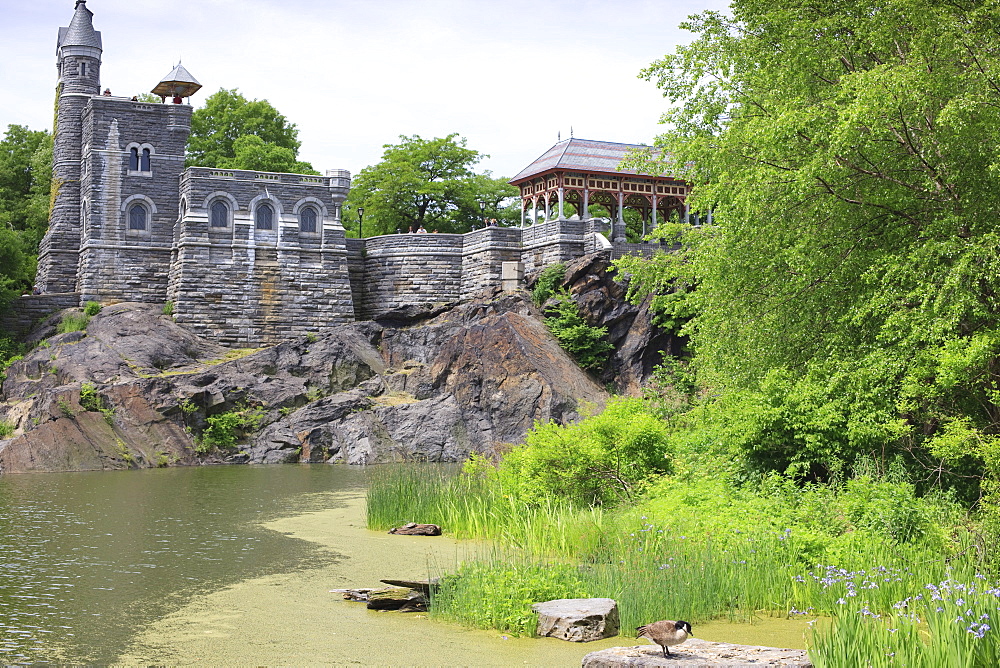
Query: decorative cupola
(78, 53)
(177, 85)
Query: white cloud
(508, 75)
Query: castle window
(133, 159)
(138, 217)
(307, 219)
(144, 160)
(220, 214)
(265, 217)
(83, 69)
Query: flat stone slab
(699, 653)
(577, 619)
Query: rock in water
(414, 529)
(577, 619)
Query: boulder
(414, 529)
(695, 652)
(577, 619)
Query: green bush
(91, 308)
(6, 429)
(587, 344)
(225, 430)
(548, 282)
(168, 308)
(600, 460)
(90, 400)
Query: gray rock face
(600, 295)
(698, 653)
(468, 378)
(577, 619)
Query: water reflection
(89, 558)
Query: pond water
(234, 565)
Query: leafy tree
(849, 151)
(219, 131)
(427, 183)
(25, 181)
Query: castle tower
(78, 61)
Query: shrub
(226, 429)
(548, 282)
(6, 429)
(584, 342)
(599, 460)
(91, 401)
(91, 308)
(168, 308)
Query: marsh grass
(679, 564)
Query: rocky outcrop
(698, 653)
(429, 385)
(638, 343)
(577, 619)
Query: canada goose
(665, 633)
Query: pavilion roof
(583, 155)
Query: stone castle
(246, 258)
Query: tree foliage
(850, 286)
(428, 183)
(232, 132)
(25, 182)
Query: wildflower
(841, 601)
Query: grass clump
(510, 588)
(168, 308)
(6, 429)
(73, 322)
(91, 308)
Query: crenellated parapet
(259, 256)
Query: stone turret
(78, 60)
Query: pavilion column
(619, 233)
(562, 195)
(524, 206)
(548, 207)
(585, 214)
(709, 215)
(687, 213)
(534, 210)
(654, 211)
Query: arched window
(220, 214)
(133, 159)
(265, 217)
(138, 217)
(144, 160)
(307, 219)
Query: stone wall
(405, 269)
(28, 310)
(483, 253)
(242, 284)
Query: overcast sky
(354, 75)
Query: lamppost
(361, 217)
(482, 211)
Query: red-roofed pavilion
(582, 172)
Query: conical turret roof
(179, 82)
(81, 29)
